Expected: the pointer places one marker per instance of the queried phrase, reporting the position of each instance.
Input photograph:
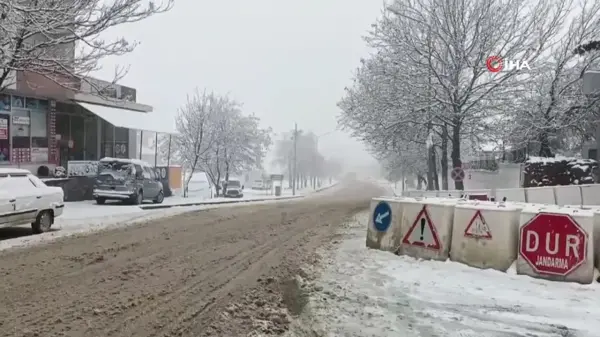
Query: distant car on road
(129, 180)
(233, 189)
(24, 198)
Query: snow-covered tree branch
(62, 40)
(428, 80)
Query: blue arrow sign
(382, 216)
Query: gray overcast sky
(287, 61)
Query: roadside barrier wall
(544, 241)
(582, 195)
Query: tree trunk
(444, 157)
(545, 150)
(455, 155)
(226, 178)
(420, 180)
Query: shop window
(91, 138)
(39, 129)
(77, 136)
(21, 122)
(4, 138)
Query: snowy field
(85, 216)
(362, 292)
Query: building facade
(43, 124)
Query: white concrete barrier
(568, 195)
(383, 231)
(511, 195)
(484, 234)
(426, 228)
(547, 195)
(590, 194)
(557, 243)
(482, 195)
(596, 238)
(540, 195)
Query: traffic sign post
(382, 216)
(553, 244)
(457, 174)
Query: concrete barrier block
(590, 194)
(383, 231)
(557, 243)
(485, 235)
(511, 194)
(451, 194)
(541, 195)
(568, 195)
(426, 228)
(416, 193)
(596, 237)
(482, 195)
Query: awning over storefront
(130, 119)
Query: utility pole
(295, 166)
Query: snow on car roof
(9, 170)
(125, 160)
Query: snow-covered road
(85, 216)
(363, 292)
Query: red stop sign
(553, 244)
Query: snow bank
(364, 292)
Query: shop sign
(20, 120)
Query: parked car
(233, 189)
(128, 180)
(24, 198)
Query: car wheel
(43, 222)
(138, 198)
(100, 201)
(159, 198)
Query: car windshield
(115, 167)
(233, 183)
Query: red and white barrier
(484, 235)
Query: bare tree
(60, 40)
(195, 124)
(239, 143)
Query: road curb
(208, 203)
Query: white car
(24, 198)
